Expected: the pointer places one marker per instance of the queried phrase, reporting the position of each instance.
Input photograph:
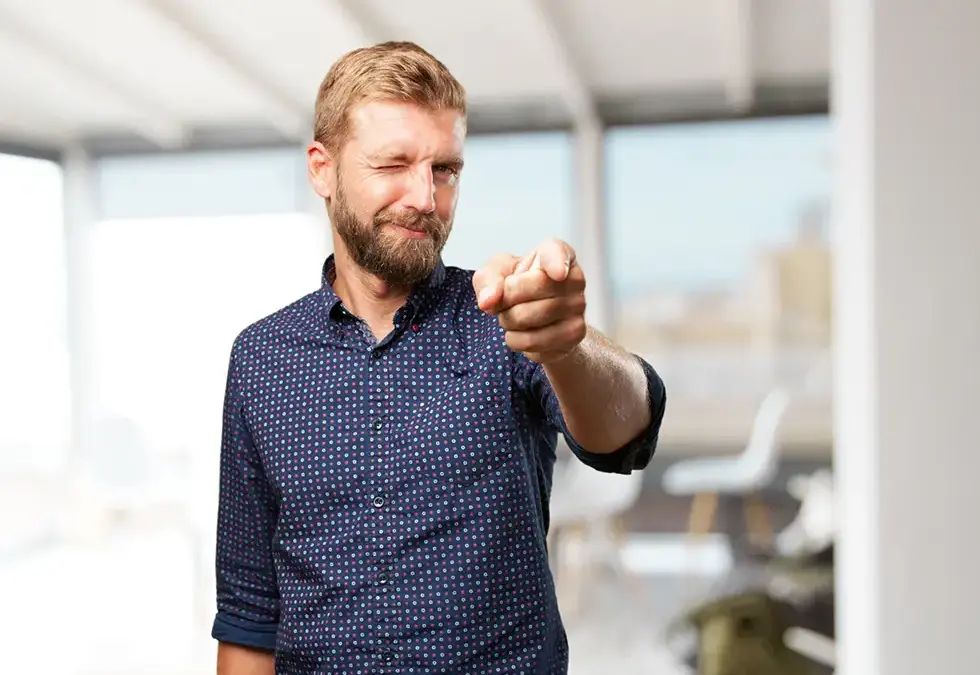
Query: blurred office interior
(773, 201)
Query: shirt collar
(418, 299)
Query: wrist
(572, 359)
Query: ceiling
(118, 75)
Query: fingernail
(485, 294)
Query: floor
(622, 622)
(621, 630)
(95, 598)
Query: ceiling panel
(36, 92)
(624, 45)
(162, 67)
(494, 48)
(792, 39)
(250, 68)
(289, 43)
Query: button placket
(379, 425)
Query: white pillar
(589, 239)
(81, 214)
(907, 238)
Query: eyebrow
(454, 161)
(389, 157)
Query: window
(169, 297)
(516, 191)
(720, 262)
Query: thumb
(488, 282)
(491, 295)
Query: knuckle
(503, 260)
(515, 318)
(577, 328)
(515, 341)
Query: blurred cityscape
(722, 349)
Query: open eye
(446, 173)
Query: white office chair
(744, 475)
(815, 526)
(587, 524)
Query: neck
(363, 294)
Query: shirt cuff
(636, 454)
(244, 633)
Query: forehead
(406, 129)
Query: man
(389, 440)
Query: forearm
(235, 660)
(603, 394)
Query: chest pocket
(463, 432)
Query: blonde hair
(390, 71)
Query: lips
(418, 227)
(412, 233)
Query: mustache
(412, 220)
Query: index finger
(554, 257)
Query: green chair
(744, 634)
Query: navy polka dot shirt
(384, 505)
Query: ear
(321, 168)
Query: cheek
(363, 204)
(376, 196)
(446, 203)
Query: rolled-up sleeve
(247, 592)
(633, 456)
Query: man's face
(394, 195)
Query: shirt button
(379, 423)
(383, 578)
(387, 655)
(378, 501)
(377, 354)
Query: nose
(421, 193)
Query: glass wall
(189, 250)
(516, 191)
(169, 297)
(721, 269)
(170, 293)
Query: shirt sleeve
(247, 592)
(531, 379)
